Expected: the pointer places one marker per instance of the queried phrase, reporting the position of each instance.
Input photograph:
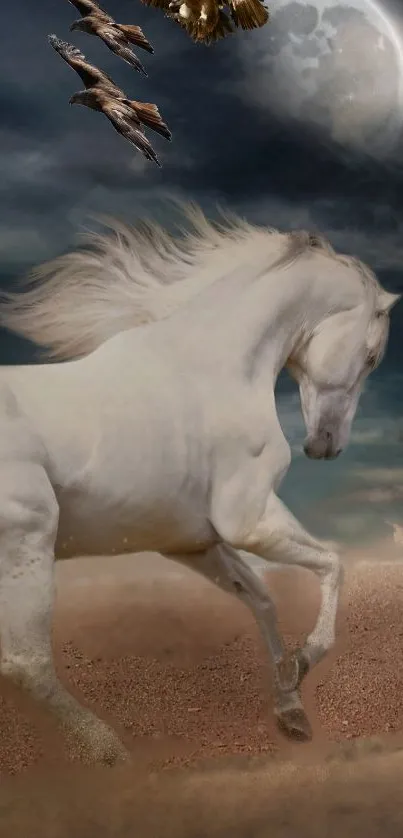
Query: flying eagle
(102, 94)
(207, 20)
(119, 114)
(116, 36)
(204, 22)
(92, 77)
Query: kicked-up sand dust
(178, 667)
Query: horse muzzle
(322, 447)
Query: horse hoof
(294, 723)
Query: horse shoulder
(247, 421)
(250, 461)
(19, 439)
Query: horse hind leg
(28, 527)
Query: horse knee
(331, 569)
(28, 505)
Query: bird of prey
(204, 22)
(92, 77)
(207, 20)
(119, 114)
(116, 36)
(102, 94)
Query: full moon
(336, 67)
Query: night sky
(242, 139)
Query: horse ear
(386, 301)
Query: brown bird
(117, 36)
(207, 20)
(92, 77)
(126, 115)
(119, 114)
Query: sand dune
(178, 667)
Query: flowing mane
(137, 275)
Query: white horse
(165, 436)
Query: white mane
(133, 276)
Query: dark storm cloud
(223, 148)
(232, 145)
(59, 164)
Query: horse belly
(89, 537)
(98, 524)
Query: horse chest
(247, 436)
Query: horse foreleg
(28, 526)
(279, 537)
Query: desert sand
(178, 667)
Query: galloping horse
(160, 432)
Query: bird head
(77, 24)
(75, 99)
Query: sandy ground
(179, 669)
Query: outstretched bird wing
(117, 43)
(90, 75)
(88, 7)
(248, 14)
(126, 124)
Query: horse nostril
(328, 435)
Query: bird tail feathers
(135, 35)
(208, 35)
(150, 116)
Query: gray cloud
(231, 144)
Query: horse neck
(249, 321)
(207, 267)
